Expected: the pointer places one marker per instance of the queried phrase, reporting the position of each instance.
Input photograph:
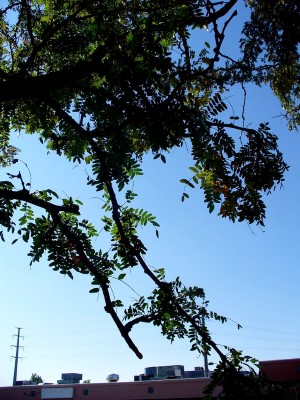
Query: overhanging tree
(106, 82)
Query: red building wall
(282, 370)
(182, 389)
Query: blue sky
(251, 276)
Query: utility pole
(17, 355)
(206, 370)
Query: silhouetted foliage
(106, 82)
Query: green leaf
(190, 184)
(94, 290)
(185, 181)
(184, 196)
(70, 275)
(129, 37)
(194, 169)
(45, 18)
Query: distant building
(168, 372)
(197, 373)
(69, 378)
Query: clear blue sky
(249, 275)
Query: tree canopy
(36, 378)
(104, 83)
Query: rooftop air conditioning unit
(112, 378)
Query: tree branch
(102, 279)
(24, 195)
(142, 318)
(231, 126)
(27, 10)
(221, 124)
(162, 285)
(220, 13)
(48, 36)
(16, 86)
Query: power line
(16, 357)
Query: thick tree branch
(142, 318)
(24, 195)
(220, 13)
(219, 37)
(16, 86)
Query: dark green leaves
(216, 105)
(186, 182)
(94, 290)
